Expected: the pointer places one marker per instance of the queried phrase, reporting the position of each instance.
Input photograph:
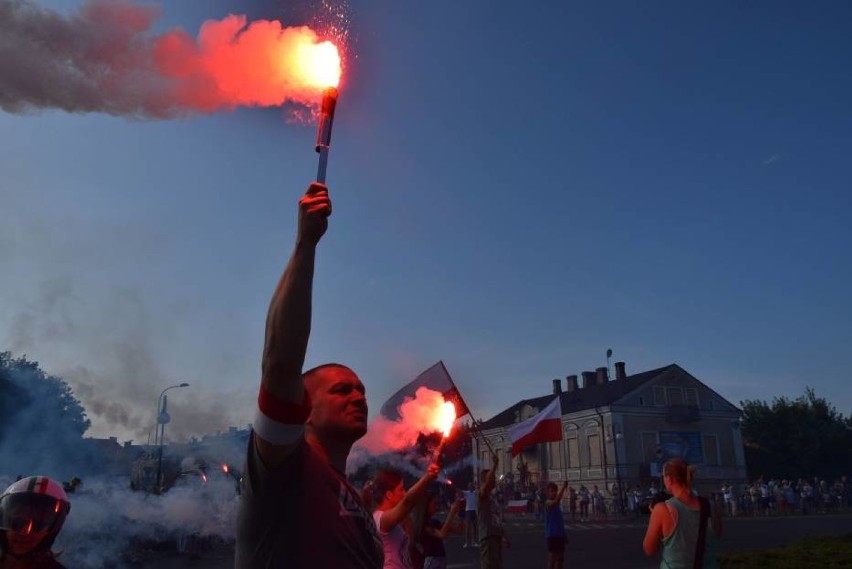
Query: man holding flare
(297, 508)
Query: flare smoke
(104, 58)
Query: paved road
(614, 544)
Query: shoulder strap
(703, 515)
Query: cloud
(771, 160)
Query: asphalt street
(594, 545)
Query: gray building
(621, 430)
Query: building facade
(618, 432)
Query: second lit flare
(446, 416)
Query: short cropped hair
(318, 371)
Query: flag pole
(478, 432)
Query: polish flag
(543, 428)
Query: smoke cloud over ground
(104, 58)
(109, 524)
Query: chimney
(603, 375)
(571, 383)
(588, 379)
(619, 371)
(557, 386)
(113, 440)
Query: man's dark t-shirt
(432, 546)
(41, 562)
(303, 514)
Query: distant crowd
(761, 497)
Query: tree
(802, 437)
(41, 421)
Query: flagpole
(478, 432)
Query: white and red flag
(543, 428)
(436, 378)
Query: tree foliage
(790, 438)
(28, 386)
(41, 421)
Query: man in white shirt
(470, 529)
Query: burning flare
(104, 58)
(319, 64)
(426, 413)
(445, 418)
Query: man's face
(551, 493)
(339, 404)
(22, 543)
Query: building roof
(581, 399)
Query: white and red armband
(278, 421)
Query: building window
(649, 446)
(711, 450)
(659, 395)
(641, 401)
(712, 405)
(692, 397)
(675, 396)
(594, 450)
(573, 453)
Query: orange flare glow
(446, 416)
(235, 63)
(225, 468)
(426, 413)
(318, 64)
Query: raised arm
(448, 523)
(392, 517)
(551, 503)
(488, 483)
(283, 409)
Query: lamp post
(618, 437)
(162, 419)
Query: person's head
(552, 491)
(471, 486)
(388, 489)
(433, 503)
(338, 403)
(677, 473)
(32, 511)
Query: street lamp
(162, 419)
(618, 437)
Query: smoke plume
(420, 415)
(111, 526)
(105, 58)
(396, 443)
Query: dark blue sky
(516, 189)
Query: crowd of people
(786, 496)
(299, 510)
